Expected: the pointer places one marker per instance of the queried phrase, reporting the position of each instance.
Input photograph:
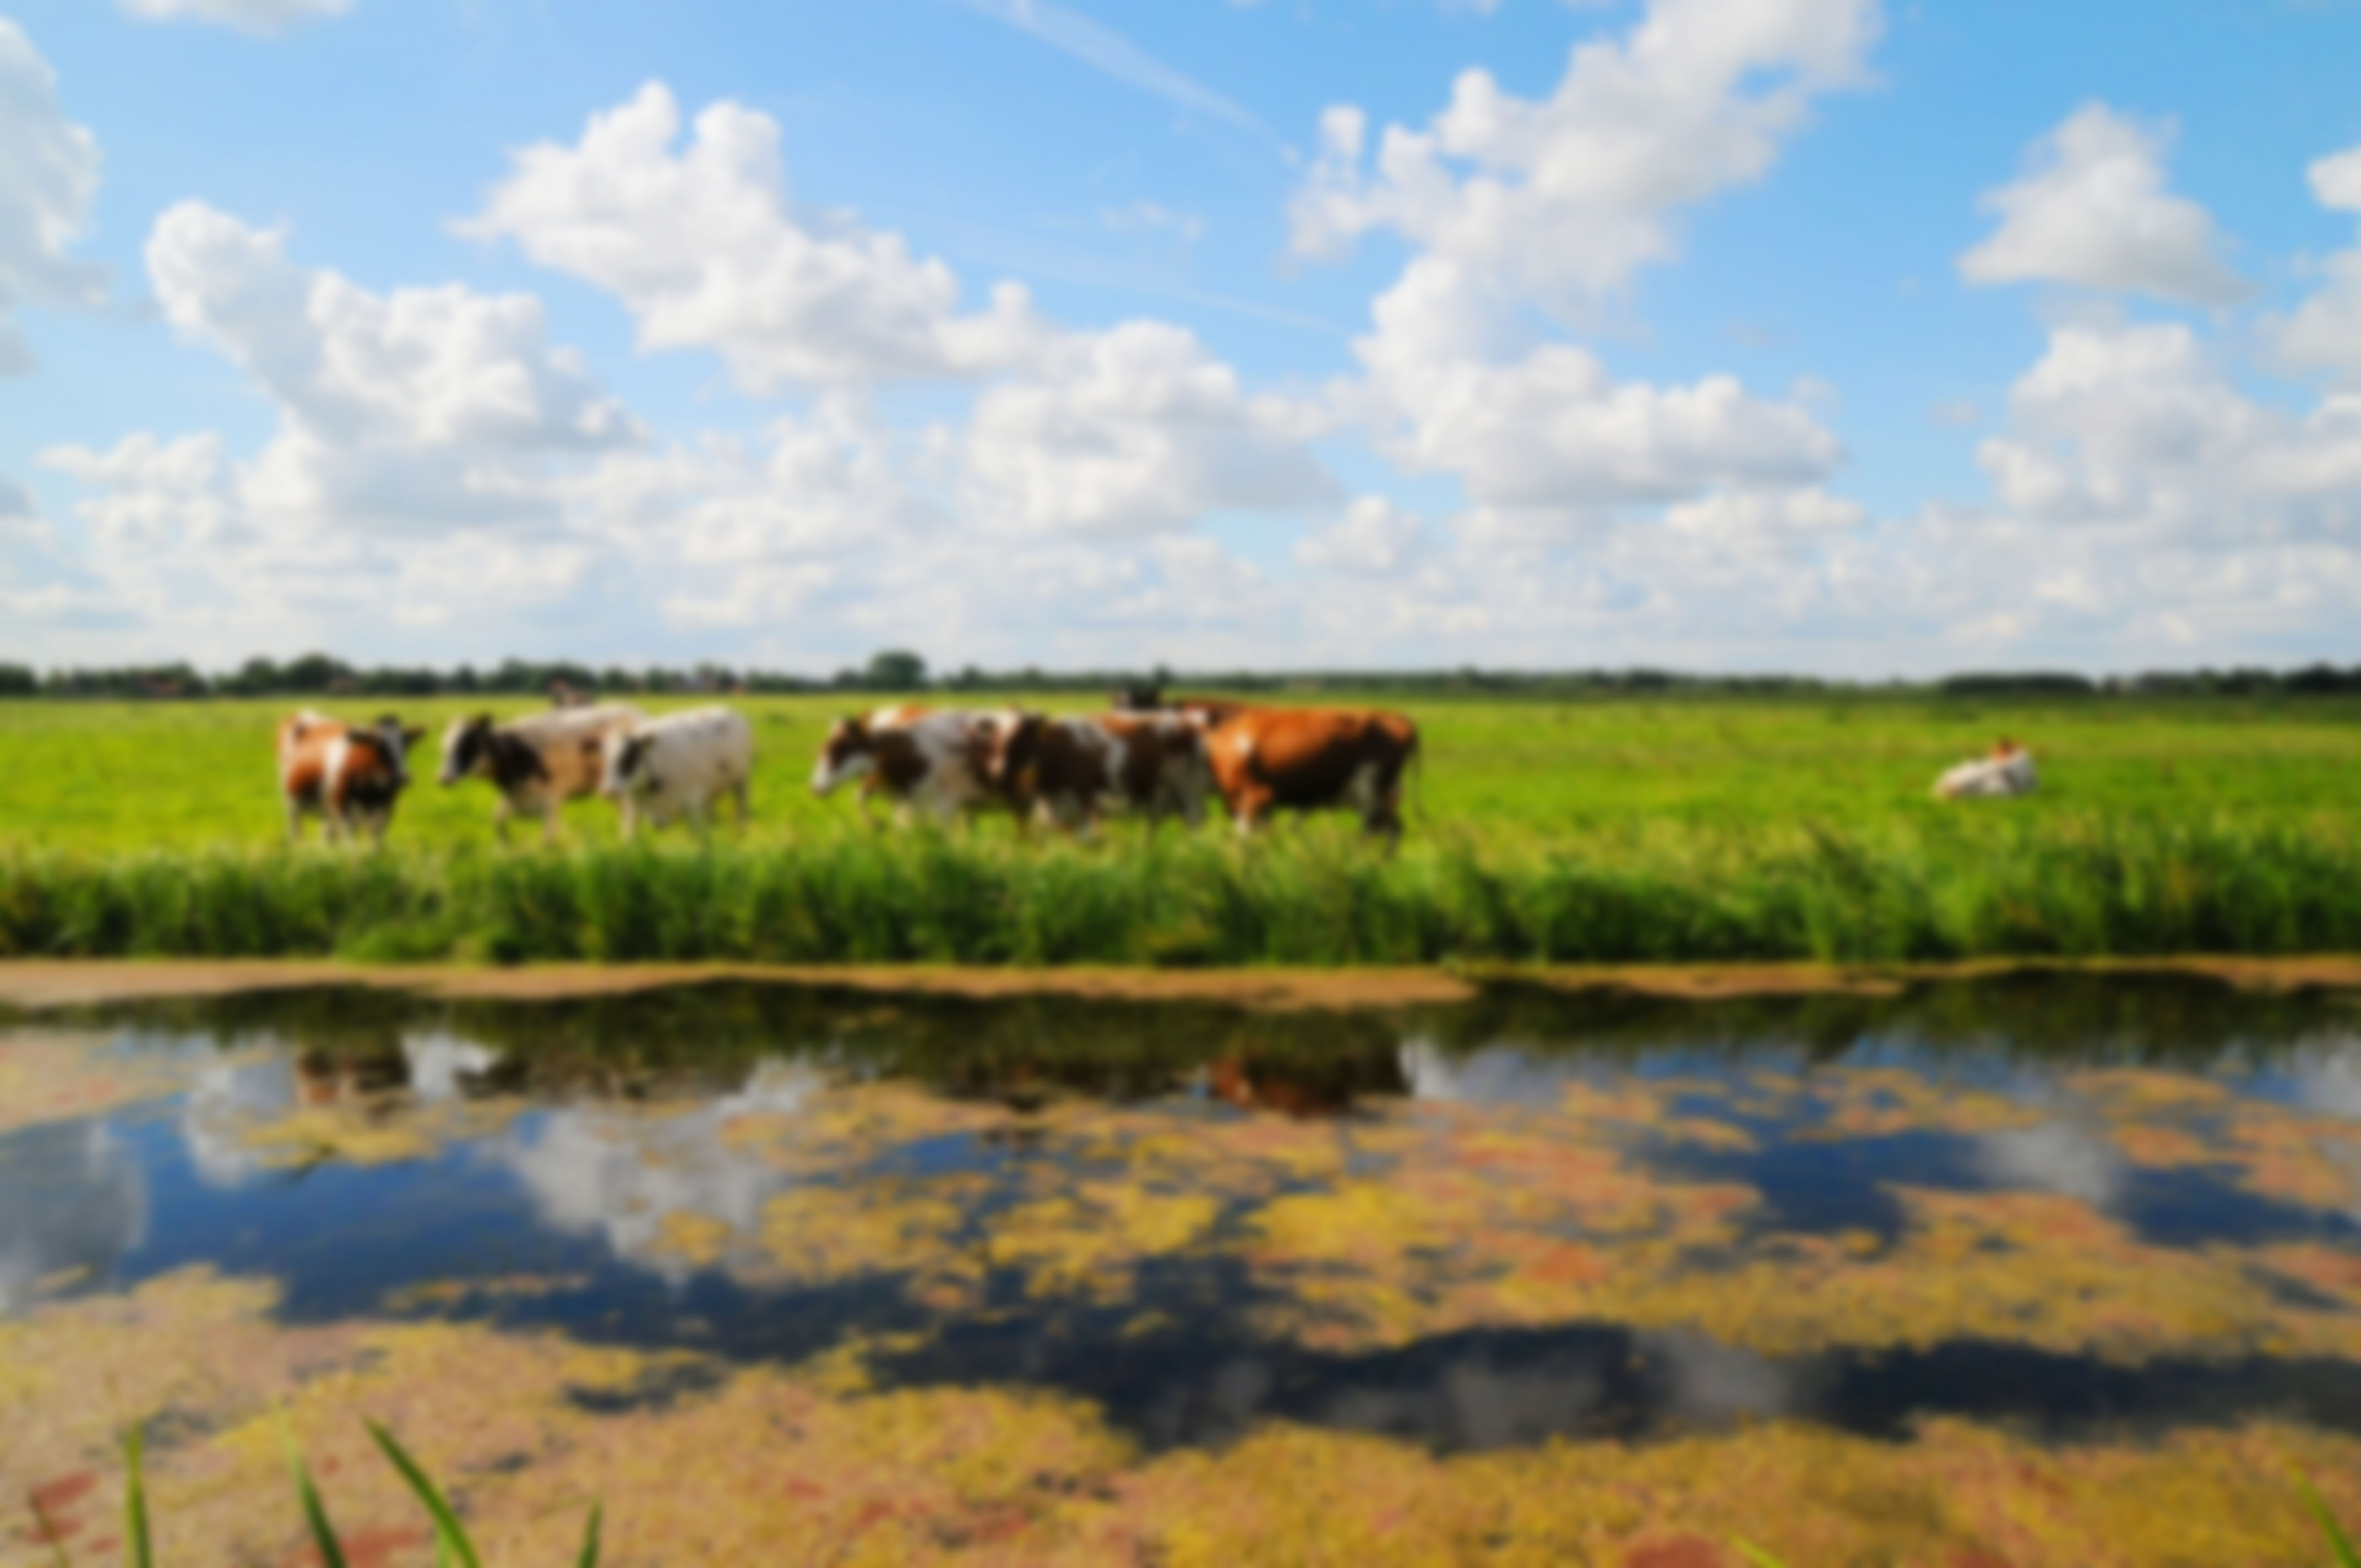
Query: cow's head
(396, 742)
(2003, 749)
(848, 752)
(1015, 751)
(467, 749)
(1140, 696)
(631, 761)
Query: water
(2073, 1207)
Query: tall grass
(2047, 886)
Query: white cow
(678, 766)
(931, 759)
(2008, 772)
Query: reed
(2072, 886)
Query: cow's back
(571, 744)
(1309, 756)
(306, 744)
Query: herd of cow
(1148, 758)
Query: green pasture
(1688, 829)
(97, 778)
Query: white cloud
(1743, 518)
(247, 15)
(700, 243)
(1134, 431)
(2325, 334)
(152, 494)
(416, 368)
(48, 175)
(1563, 198)
(1550, 442)
(1374, 538)
(421, 435)
(2137, 426)
(2091, 209)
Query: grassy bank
(2061, 884)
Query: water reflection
(626, 1180)
(72, 1200)
(1537, 1214)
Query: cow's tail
(1414, 783)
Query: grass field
(1610, 829)
(102, 777)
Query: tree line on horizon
(900, 671)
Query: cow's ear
(412, 736)
(484, 719)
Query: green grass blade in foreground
(316, 1512)
(590, 1539)
(2338, 1541)
(1756, 1555)
(48, 1531)
(447, 1529)
(138, 1547)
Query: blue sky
(1848, 336)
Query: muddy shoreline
(33, 985)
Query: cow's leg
(1250, 806)
(629, 814)
(549, 819)
(294, 818)
(738, 790)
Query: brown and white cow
(1305, 759)
(349, 775)
(538, 762)
(935, 761)
(1074, 770)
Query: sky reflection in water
(2066, 1203)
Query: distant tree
(895, 670)
(16, 680)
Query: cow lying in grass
(2008, 771)
(1074, 770)
(679, 766)
(348, 776)
(537, 764)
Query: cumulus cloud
(263, 16)
(48, 175)
(1566, 197)
(2091, 209)
(2325, 333)
(421, 434)
(1134, 431)
(1515, 206)
(1374, 538)
(417, 368)
(1548, 441)
(701, 244)
(2138, 426)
